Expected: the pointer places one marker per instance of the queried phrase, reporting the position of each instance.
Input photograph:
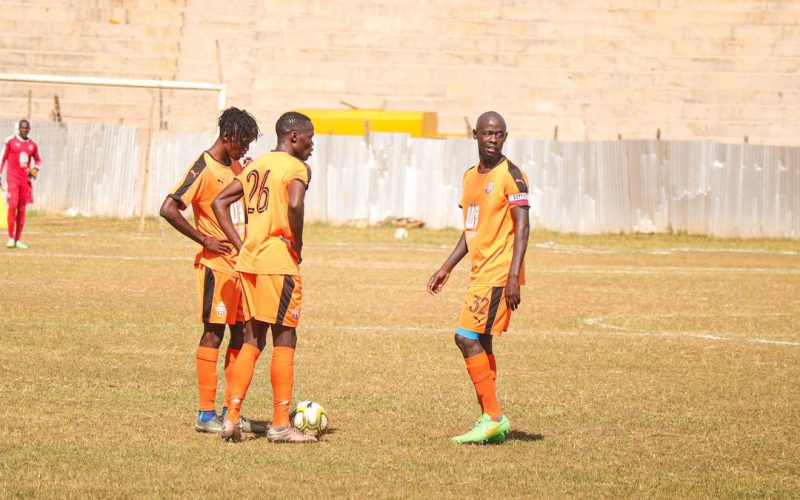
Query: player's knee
(284, 337)
(466, 344)
(212, 336)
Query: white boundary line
(618, 330)
(343, 264)
(433, 247)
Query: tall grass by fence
(730, 190)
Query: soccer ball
(309, 417)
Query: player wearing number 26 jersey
(273, 189)
(219, 290)
(495, 207)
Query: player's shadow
(524, 436)
(266, 423)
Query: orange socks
(492, 366)
(241, 376)
(481, 374)
(281, 373)
(207, 377)
(230, 359)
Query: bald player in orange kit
(495, 210)
(273, 189)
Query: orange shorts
(272, 298)
(220, 296)
(485, 310)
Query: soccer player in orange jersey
(273, 188)
(495, 206)
(218, 286)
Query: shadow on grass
(328, 432)
(524, 436)
(514, 436)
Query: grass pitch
(658, 365)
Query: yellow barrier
(359, 121)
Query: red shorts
(19, 193)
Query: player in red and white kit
(21, 155)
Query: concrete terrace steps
(79, 12)
(88, 43)
(88, 64)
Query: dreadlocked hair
(291, 121)
(237, 125)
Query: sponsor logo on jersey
(221, 309)
(471, 221)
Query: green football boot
(21, 245)
(11, 243)
(485, 430)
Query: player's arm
(222, 210)
(171, 212)
(521, 229)
(297, 197)
(37, 164)
(440, 277)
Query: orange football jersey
(266, 203)
(487, 199)
(200, 185)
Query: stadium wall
(709, 70)
(584, 187)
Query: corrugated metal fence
(585, 187)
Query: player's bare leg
(284, 341)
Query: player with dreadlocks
(218, 285)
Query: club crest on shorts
(221, 309)
(489, 187)
(295, 313)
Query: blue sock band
(466, 333)
(207, 416)
(224, 412)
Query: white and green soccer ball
(309, 417)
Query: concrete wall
(713, 70)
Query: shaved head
(490, 132)
(490, 116)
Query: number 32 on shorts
(479, 305)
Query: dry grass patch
(637, 366)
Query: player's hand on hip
(217, 246)
(437, 281)
(512, 293)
